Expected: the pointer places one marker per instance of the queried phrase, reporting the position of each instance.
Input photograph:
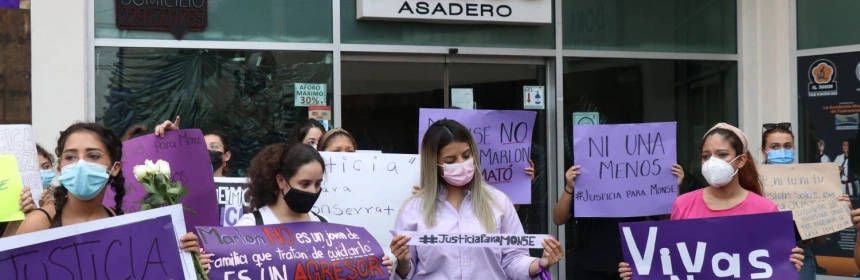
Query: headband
(740, 134)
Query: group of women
(286, 179)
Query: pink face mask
(459, 174)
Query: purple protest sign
(188, 156)
(626, 169)
(14, 4)
(505, 140)
(137, 246)
(297, 251)
(734, 247)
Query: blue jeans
(809, 264)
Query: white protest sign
(17, 139)
(810, 191)
(367, 190)
(482, 240)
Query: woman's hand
(388, 264)
(166, 126)
(678, 171)
(400, 249)
(531, 170)
(26, 202)
(570, 178)
(552, 253)
(188, 243)
(624, 271)
(797, 258)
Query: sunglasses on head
(770, 126)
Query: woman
(48, 175)
(89, 161)
(734, 188)
(454, 198)
(308, 132)
(337, 140)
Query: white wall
(59, 66)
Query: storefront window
(246, 95)
(297, 21)
(15, 66)
(445, 34)
(696, 94)
(827, 23)
(652, 25)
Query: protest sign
(810, 192)
(479, 240)
(297, 251)
(188, 156)
(738, 247)
(367, 189)
(10, 189)
(626, 169)
(17, 139)
(505, 140)
(142, 245)
(233, 199)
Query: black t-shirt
(597, 243)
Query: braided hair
(114, 150)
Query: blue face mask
(83, 179)
(47, 176)
(782, 156)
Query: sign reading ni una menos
(486, 11)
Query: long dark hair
(114, 150)
(301, 129)
(747, 175)
(284, 159)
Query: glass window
(446, 34)
(706, 26)
(827, 23)
(299, 21)
(696, 94)
(15, 104)
(246, 95)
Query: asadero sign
(455, 9)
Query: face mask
(782, 156)
(300, 201)
(459, 174)
(217, 159)
(718, 172)
(83, 179)
(47, 176)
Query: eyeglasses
(770, 126)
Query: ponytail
(118, 187)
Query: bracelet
(569, 192)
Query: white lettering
(734, 268)
(642, 262)
(689, 265)
(753, 259)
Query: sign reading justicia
(487, 11)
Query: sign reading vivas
(296, 251)
(175, 16)
(733, 247)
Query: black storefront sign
(175, 16)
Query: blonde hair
(439, 135)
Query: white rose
(150, 167)
(139, 172)
(163, 168)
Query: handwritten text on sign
(367, 189)
(738, 247)
(305, 250)
(475, 239)
(810, 192)
(505, 141)
(233, 199)
(145, 247)
(626, 169)
(17, 139)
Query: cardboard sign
(504, 139)
(735, 247)
(354, 193)
(810, 192)
(17, 140)
(304, 250)
(626, 169)
(10, 189)
(188, 156)
(142, 245)
(233, 199)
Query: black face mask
(217, 159)
(301, 201)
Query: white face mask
(718, 172)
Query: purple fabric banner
(188, 156)
(13, 4)
(143, 250)
(505, 140)
(306, 250)
(626, 169)
(735, 247)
